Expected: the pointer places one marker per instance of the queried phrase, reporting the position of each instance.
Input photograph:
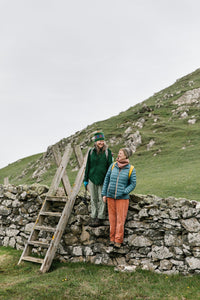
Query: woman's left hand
(104, 199)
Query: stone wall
(162, 235)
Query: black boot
(93, 222)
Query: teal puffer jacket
(117, 185)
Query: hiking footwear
(111, 243)
(94, 222)
(117, 245)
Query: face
(121, 155)
(100, 144)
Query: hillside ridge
(164, 125)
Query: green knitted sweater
(97, 166)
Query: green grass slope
(171, 166)
(87, 281)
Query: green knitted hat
(99, 136)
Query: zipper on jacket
(117, 183)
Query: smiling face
(121, 155)
(100, 144)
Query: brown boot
(94, 222)
(117, 245)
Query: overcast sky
(65, 64)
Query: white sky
(65, 64)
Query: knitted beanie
(127, 152)
(99, 136)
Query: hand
(85, 183)
(104, 199)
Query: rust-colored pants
(117, 212)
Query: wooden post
(65, 179)
(6, 181)
(79, 155)
(60, 171)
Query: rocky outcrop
(190, 97)
(162, 235)
(133, 140)
(187, 101)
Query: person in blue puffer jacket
(119, 181)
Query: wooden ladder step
(38, 244)
(56, 199)
(33, 259)
(45, 228)
(50, 214)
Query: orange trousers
(117, 212)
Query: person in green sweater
(98, 161)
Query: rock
(175, 214)
(150, 144)
(184, 115)
(85, 236)
(191, 225)
(128, 131)
(76, 230)
(178, 251)
(133, 141)
(140, 123)
(12, 232)
(194, 239)
(196, 252)
(98, 231)
(120, 261)
(88, 251)
(29, 227)
(172, 240)
(7, 203)
(177, 262)
(188, 212)
(160, 253)
(139, 241)
(12, 242)
(10, 195)
(192, 121)
(4, 211)
(189, 97)
(81, 209)
(165, 264)
(125, 268)
(6, 241)
(194, 263)
(70, 239)
(77, 251)
(101, 259)
(39, 189)
(143, 213)
(23, 195)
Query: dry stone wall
(162, 235)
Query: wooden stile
(63, 217)
(6, 181)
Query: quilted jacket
(117, 184)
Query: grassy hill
(169, 120)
